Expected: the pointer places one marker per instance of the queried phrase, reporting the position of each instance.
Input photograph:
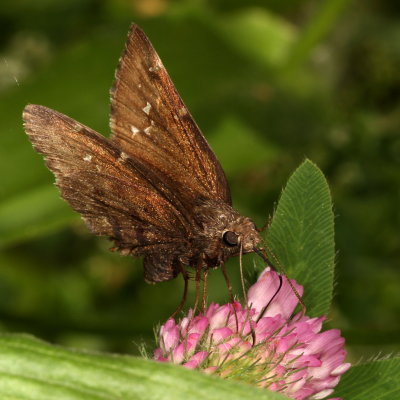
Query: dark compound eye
(230, 238)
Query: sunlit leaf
(372, 380)
(34, 370)
(301, 238)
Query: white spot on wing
(158, 61)
(87, 158)
(182, 111)
(147, 108)
(79, 128)
(134, 130)
(122, 157)
(147, 130)
(156, 67)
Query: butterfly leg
(204, 297)
(266, 225)
(199, 269)
(185, 276)
(301, 302)
(230, 291)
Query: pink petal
(280, 370)
(191, 343)
(221, 334)
(286, 342)
(210, 370)
(329, 364)
(284, 301)
(235, 346)
(158, 355)
(178, 354)
(267, 328)
(212, 308)
(275, 386)
(341, 369)
(325, 341)
(226, 346)
(307, 361)
(169, 335)
(301, 394)
(301, 374)
(218, 317)
(327, 383)
(307, 328)
(185, 322)
(191, 364)
(323, 394)
(244, 328)
(297, 389)
(198, 325)
(196, 360)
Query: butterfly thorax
(222, 232)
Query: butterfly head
(225, 233)
(241, 234)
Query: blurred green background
(269, 83)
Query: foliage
(268, 85)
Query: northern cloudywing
(155, 188)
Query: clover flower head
(260, 343)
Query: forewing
(116, 195)
(150, 122)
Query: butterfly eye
(230, 238)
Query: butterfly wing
(150, 122)
(116, 195)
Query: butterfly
(155, 187)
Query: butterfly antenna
(261, 252)
(262, 313)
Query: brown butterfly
(155, 188)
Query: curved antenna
(261, 252)
(262, 313)
(263, 255)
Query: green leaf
(33, 370)
(33, 213)
(373, 380)
(259, 35)
(301, 236)
(323, 22)
(246, 149)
